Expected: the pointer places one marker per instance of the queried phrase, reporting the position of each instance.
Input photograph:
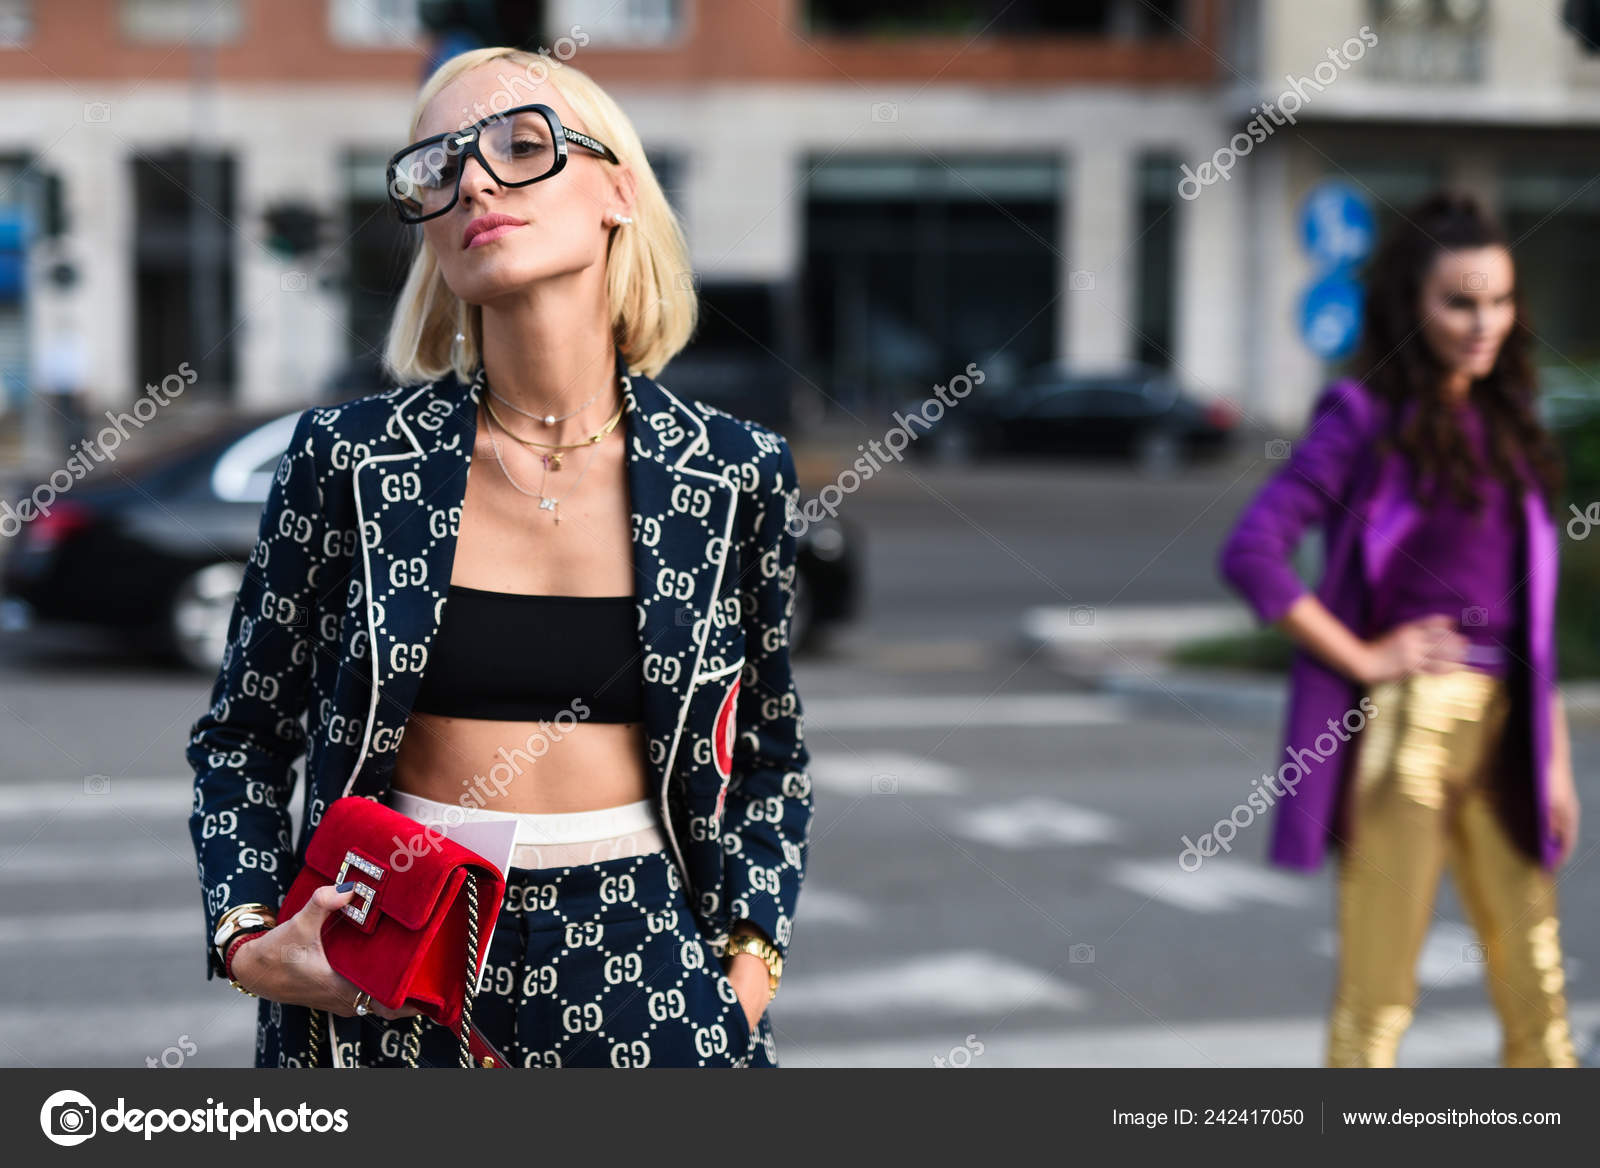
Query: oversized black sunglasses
(523, 145)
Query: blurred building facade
(1497, 97)
(874, 195)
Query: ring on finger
(363, 1001)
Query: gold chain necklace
(546, 502)
(553, 461)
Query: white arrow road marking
(1217, 886)
(1037, 823)
(959, 983)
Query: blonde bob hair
(648, 283)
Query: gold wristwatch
(753, 942)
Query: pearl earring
(619, 219)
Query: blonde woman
(533, 586)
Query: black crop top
(515, 657)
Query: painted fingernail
(346, 886)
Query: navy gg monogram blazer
(343, 595)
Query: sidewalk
(1126, 651)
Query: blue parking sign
(1337, 225)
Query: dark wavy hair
(1397, 363)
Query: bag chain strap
(415, 1045)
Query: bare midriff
(537, 768)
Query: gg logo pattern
(602, 967)
(344, 593)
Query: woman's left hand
(748, 973)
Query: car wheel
(197, 626)
(1158, 452)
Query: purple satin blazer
(1335, 480)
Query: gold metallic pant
(1420, 799)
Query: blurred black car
(1140, 415)
(157, 550)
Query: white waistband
(564, 827)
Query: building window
(670, 173)
(621, 24)
(1156, 232)
(1135, 19)
(374, 24)
(914, 266)
(1553, 214)
(183, 265)
(16, 23)
(1430, 41)
(182, 21)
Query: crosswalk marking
(1444, 1038)
(881, 772)
(947, 711)
(1036, 823)
(35, 862)
(75, 798)
(219, 1030)
(824, 906)
(960, 983)
(1451, 956)
(1217, 886)
(94, 926)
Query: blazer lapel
(1389, 515)
(683, 516)
(408, 507)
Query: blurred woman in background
(1434, 484)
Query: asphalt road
(993, 880)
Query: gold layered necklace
(551, 461)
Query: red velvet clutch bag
(417, 931)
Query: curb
(1125, 651)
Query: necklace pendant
(552, 461)
(546, 503)
(549, 419)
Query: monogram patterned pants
(592, 965)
